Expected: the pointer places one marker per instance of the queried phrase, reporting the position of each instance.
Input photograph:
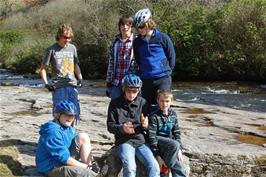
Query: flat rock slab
(214, 137)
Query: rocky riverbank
(218, 141)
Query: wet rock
(8, 84)
(36, 105)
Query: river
(236, 95)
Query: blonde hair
(165, 93)
(62, 29)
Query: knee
(129, 165)
(174, 146)
(84, 139)
(154, 167)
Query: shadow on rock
(22, 146)
(12, 165)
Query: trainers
(95, 167)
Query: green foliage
(214, 40)
(29, 58)
(9, 39)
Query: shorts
(71, 171)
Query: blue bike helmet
(131, 80)
(66, 107)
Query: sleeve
(113, 125)
(176, 130)
(110, 68)
(55, 145)
(144, 111)
(169, 50)
(145, 108)
(47, 57)
(76, 60)
(152, 135)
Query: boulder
(110, 161)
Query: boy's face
(65, 38)
(131, 93)
(66, 120)
(143, 29)
(126, 28)
(164, 102)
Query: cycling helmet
(131, 80)
(141, 17)
(65, 107)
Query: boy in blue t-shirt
(164, 136)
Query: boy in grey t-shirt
(66, 74)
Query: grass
(9, 165)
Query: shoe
(95, 167)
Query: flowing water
(236, 95)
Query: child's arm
(112, 125)
(180, 155)
(75, 163)
(160, 161)
(144, 121)
(55, 145)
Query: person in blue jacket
(154, 53)
(61, 151)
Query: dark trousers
(151, 86)
(169, 150)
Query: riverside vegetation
(213, 39)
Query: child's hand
(180, 155)
(144, 121)
(160, 161)
(128, 128)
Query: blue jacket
(155, 57)
(53, 146)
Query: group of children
(151, 136)
(154, 138)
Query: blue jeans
(127, 155)
(66, 93)
(115, 92)
(168, 151)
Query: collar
(119, 37)
(135, 102)
(154, 32)
(170, 111)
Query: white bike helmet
(141, 17)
